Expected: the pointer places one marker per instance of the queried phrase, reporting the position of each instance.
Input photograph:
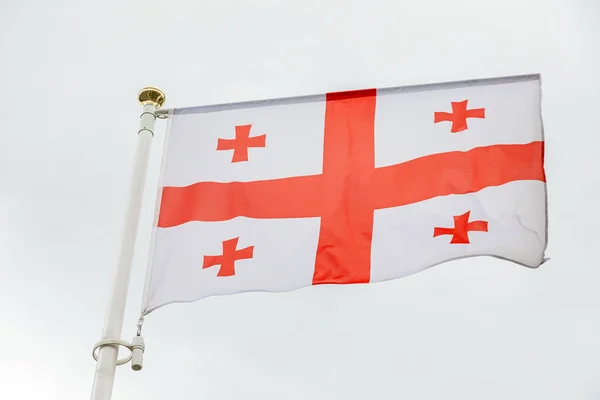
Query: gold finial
(151, 95)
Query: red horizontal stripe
(409, 182)
(214, 201)
(456, 172)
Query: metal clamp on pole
(136, 348)
(162, 114)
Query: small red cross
(459, 115)
(462, 227)
(228, 258)
(240, 144)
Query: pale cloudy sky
(471, 329)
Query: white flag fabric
(348, 187)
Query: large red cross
(240, 144)
(229, 257)
(459, 115)
(462, 227)
(350, 188)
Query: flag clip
(161, 114)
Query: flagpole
(151, 99)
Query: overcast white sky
(472, 329)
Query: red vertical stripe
(344, 248)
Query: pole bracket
(136, 348)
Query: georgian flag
(350, 187)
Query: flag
(347, 187)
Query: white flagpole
(151, 98)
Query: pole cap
(151, 95)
